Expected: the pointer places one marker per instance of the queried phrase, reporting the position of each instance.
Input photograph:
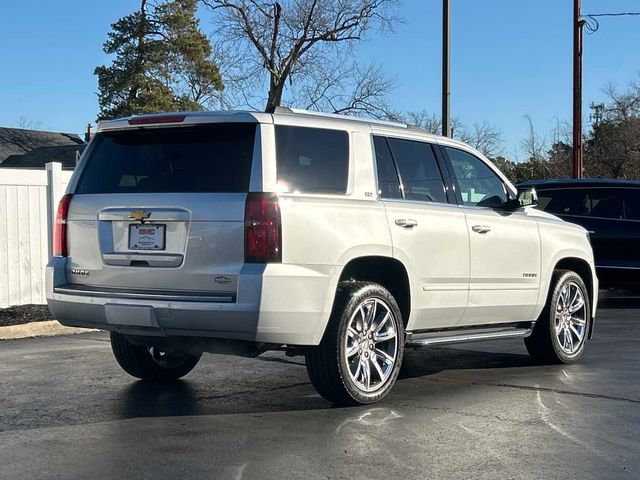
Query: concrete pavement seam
(541, 389)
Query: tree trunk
(139, 67)
(275, 95)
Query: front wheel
(560, 333)
(359, 357)
(151, 363)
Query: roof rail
(299, 111)
(278, 109)
(411, 126)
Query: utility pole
(446, 83)
(596, 116)
(577, 90)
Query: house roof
(38, 158)
(18, 141)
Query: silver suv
(341, 239)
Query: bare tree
(483, 136)
(613, 146)
(295, 43)
(544, 160)
(533, 145)
(26, 124)
(351, 89)
(425, 120)
(622, 106)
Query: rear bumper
(275, 303)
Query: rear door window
(419, 172)
(312, 160)
(632, 203)
(604, 203)
(209, 158)
(611, 203)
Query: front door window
(477, 183)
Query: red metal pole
(577, 91)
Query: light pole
(577, 90)
(446, 87)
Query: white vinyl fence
(28, 203)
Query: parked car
(341, 239)
(610, 211)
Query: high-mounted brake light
(157, 119)
(60, 229)
(263, 229)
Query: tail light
(60, 229)
(263, 230)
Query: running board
(463, 336)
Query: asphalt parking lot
(480, 410)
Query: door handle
(406, 222)
(481, 228)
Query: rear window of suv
(312, 160)
(203, 159)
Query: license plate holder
(147, 236)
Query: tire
(355, 341)
(558, 337)
(147, 363)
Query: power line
(592, 25)
(612, 14)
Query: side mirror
(527, 197)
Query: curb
(39, 329)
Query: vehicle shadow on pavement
(157, 399)
(194, 397)
(425, 362)
(187, 398)
(619, 302)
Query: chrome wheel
(570, 318)
(371, 346)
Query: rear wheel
(359, 357)
(560, 333)
(151, 363)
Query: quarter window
(312, 160)
(388, 182)
(419, 171)
(477, 183)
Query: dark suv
(610, 211)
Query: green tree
(162, 62)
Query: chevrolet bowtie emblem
(139, 215)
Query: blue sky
(509, 59)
